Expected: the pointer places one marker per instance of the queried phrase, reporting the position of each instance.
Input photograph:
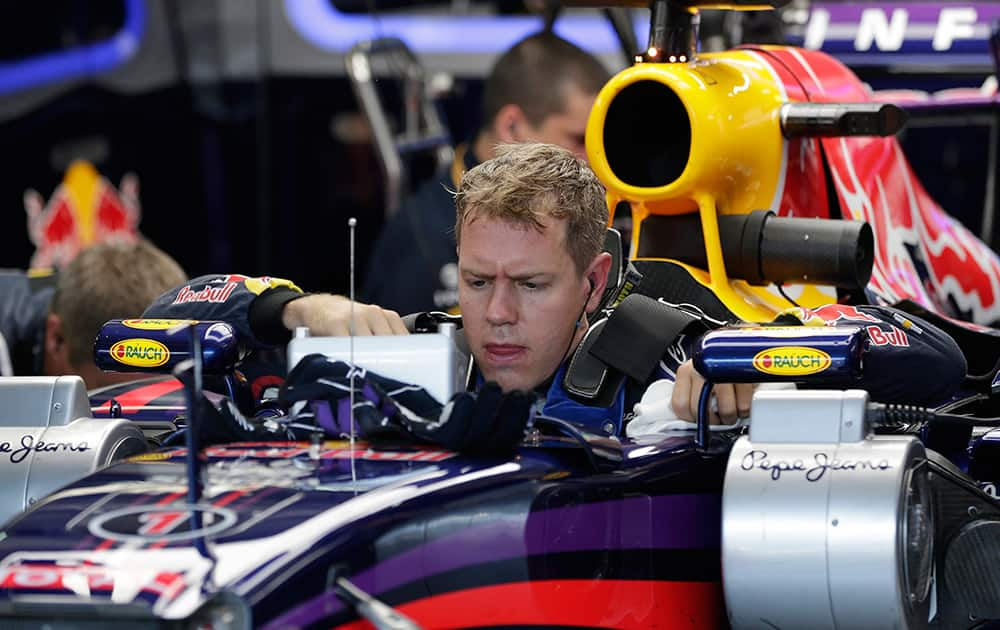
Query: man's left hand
(732, 400)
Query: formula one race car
(830, 502)
(829, 512)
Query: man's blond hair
(109, 281)
(526, 182)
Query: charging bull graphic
(84, 209)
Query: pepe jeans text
(813, 470)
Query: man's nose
(502, 308)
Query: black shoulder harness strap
(629, 343)
(586, 377)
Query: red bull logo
(145, 353)
(791, 361)
(208, 294)
(84, 209)
(843, 312)
(894, 337)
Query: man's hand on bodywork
(732, 400)
(332, 315)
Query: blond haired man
(530, 225)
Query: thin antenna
(352, 224)
(193, 397)
(194, 488)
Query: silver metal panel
(774, 561)
(864, 545)
(48, 439)
(430, 360)
(816, 416)
(41, 401)
(35, 462)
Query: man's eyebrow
(537, 275)
(473, 272)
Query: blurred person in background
(48, 323)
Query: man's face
(520, 296)
(567, 128)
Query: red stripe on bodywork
(224, 501)
(587, 603)
(167, 500)
(230, 497)
(136, 399)
(170, 498)
(107, 543)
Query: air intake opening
(647, 135)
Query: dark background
(246, 176)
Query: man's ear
(509, 125)
(598, 272)
(56, 359)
